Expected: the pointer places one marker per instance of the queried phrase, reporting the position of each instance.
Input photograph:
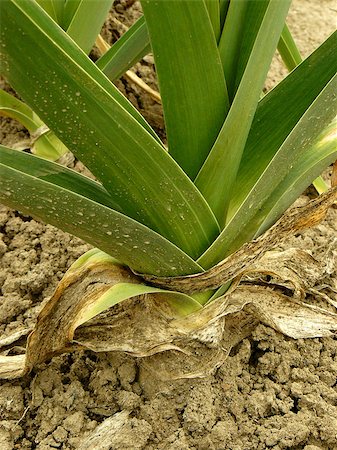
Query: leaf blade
(52, 193)
(288, 49)
(129, 49)
(322, 153)
(213, 9)
(190, 78)
(87, 21)
(15, 109)
(69, 9)
(46, 145)
(291, 57)
(49, 7)
(183, 304)
(231, 41)
(277, 114)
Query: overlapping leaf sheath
(102, 306)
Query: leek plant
(171, 227)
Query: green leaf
(58, 6)
(288, 49)
(190, 78)
(308, 165)
(182, 304)
(217, 176)
(129, 49)
(12, 107)
(53, 8)
(223, 7)
(69, 9)
(213, 8)
(49, 146)
(76, 204)
(231, 42)
(56, 174)
(320, 185)
(46, 145)
(83, 107)
(278, 113)
(81, 19)
(292, 58)
(255, 13)
(295, 155)
(68, 46)
(95, 255)
(87, 21)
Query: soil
(271, 392)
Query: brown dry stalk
(291, 222)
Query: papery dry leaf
(57, 321)
(293, 268)
(292, 318)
